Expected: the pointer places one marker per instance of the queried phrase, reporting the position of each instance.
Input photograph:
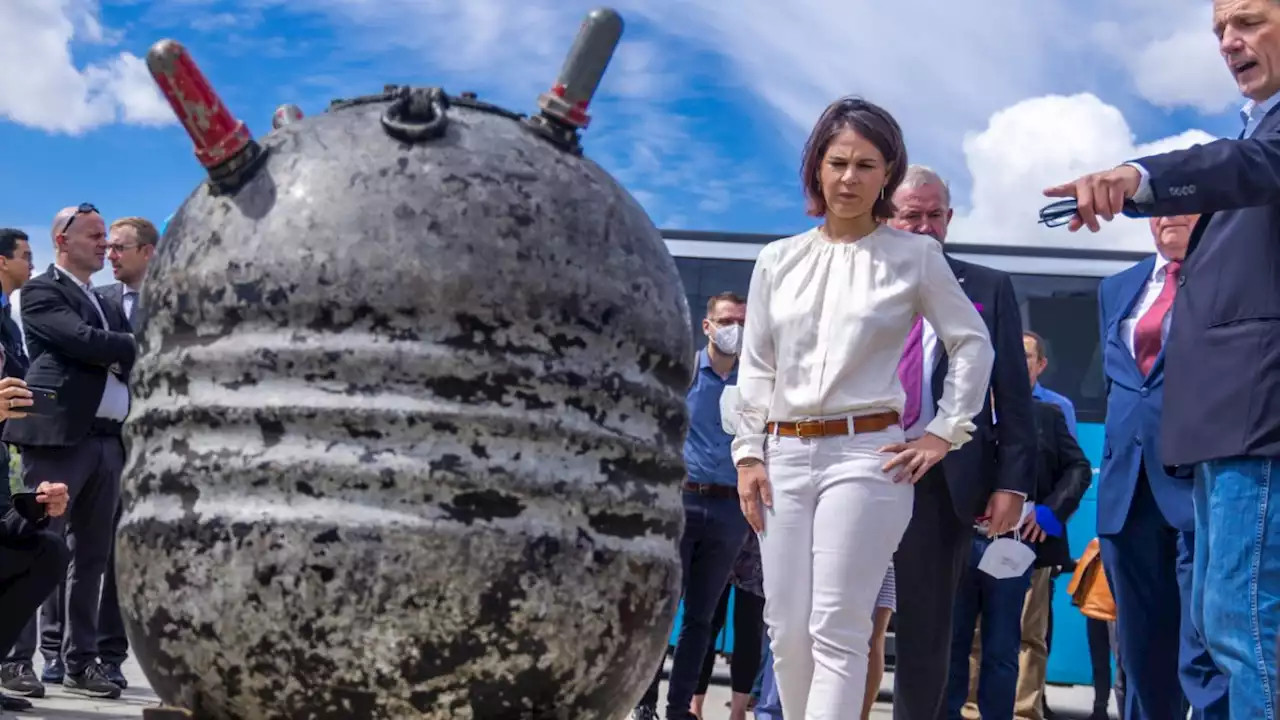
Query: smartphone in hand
(43, 401)
(26, 505)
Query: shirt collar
(1037, 391)
(73, 278)
(1253, 111)
(1158, 270)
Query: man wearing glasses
(80, 347)
(131, 244)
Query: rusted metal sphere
(407, 429)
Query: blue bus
(1057, 293)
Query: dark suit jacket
(114, 293)
(70, 353)
(16, 361)
(1001, 455)
(1063, 474)
(1223, 365)
(1131, 443)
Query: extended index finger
(1065, 190)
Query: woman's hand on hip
(913, 459)
(753, 492)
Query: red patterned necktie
(1148, 335)
(911, 372)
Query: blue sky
(701, 116)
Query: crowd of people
(867, 439)
(68, 350)
(871, 407)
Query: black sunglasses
(1057, 214)
(83, 209)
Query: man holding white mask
(714, 527)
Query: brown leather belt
(727, 492)
(806, 429)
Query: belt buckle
(804, 426)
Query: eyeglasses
(82, 209)
(1057, 214)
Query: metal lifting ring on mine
(417, 114)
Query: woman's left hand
(913, 459)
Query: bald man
(80, 346)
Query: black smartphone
(26, 505)
(43, 401)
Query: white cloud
(1004, 93)
(41, 86)
(1168, 49)
(1039, 143)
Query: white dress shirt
(114, 404)
(826, 323)
(1150, 292)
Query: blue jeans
(714, 533)
(769, 705)
(1236, 579)
(1149, 565)
(999, 603)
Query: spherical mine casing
(407, 433)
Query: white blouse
(826, 325)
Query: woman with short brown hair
(824, 473)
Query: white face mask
(728, 339)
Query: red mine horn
(223, 144)
(284, 115)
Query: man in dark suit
(15, 269)
(81, 347)
(33, 560)
(1015, 628)
(131, 243)
(1222, 360)
(989, 477)
(1145, 515)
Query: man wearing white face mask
(714, 527)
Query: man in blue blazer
(1145, 516)
(1222, 365)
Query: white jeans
(828, 540)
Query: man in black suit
(989, 477)
(131, 243)
(15, 269)
(33, 560)
(81, 347)
(1222, 353)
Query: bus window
(705, 277)
(1064, 311)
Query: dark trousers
(714, 532)
(91, 472)
(1148, 567)
(1099, 635)
(999, 605)
(748, 624)
(30, 568)
(113, 644)
(928, 565)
